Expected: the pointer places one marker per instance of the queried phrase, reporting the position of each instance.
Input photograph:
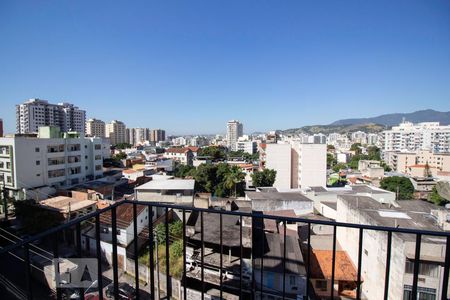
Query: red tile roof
(193, 148)
(177, 150)
(322, 261)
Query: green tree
(330, 147)
(331, 160)
(263, 178)
(215, 152)
(435, 198)
(233, 178)
(205, 178)
(373, 153)
(182, 171)
(400, 185)
(123, 146)
(356, 147)
(339, 166)
(119, 156)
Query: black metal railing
(23, 248)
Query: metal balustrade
(254, 291)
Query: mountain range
(427, 115)
(374, 124)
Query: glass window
(36, 149)
(38, 162)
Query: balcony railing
(246, 285)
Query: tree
(331, 160)
(119, 156)
(435, 198)
(402, 186)
(264, 178)
(123, 146)
(356, 147)
(216, 153)
(182, 171)
(34, 218)
(330, 148)
(233, 178)
(373, 153)
(339, 166)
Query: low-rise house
(422, 186)
(69, 208)
(183, 155)
(125, 233)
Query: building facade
(157, 135)
(35, 113)
(414, 137)
(95, 128)
(51, 159)
(116, 132)
(235, 129)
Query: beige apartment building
(116, 132)
(422, 163)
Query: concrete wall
(278, 158)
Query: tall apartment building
(249, 147)
(1, 127)
(50, 159)
(35, 113)
(298, 165)
(116, 132)
(95, 128)
(235, 129)
(413, 137)
(157, 135)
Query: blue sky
(189, 66)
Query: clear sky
(189, 66)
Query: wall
(278, 158)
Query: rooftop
(277, 196)
(65, 204)
(170, 184)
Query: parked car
(126, 291)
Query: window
(425, 268)
(321, 285)
(8, 165)
(2, 165)
(36, 149)
(8, 179)
(38, 175)
(38, 162)
(292, 280)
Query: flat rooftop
(170, 184)
(65, 204)
(277, 196)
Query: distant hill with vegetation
(428, 115)
(327, 129)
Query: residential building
(1, 128)
(372, 139)
(116, 132)
(95, 128)
(309, 165)
(422, 163)
(279, 158)
(235, 129)
(359, 137)
(49, 159)
(157, 135)
(35, 113)
(183, 155)
(413, 137)
(411, 214)
(175, 191)
(249, 147)
(371, 168)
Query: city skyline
(289, 65)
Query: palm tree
(234, 177)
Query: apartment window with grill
(98, 157)
(98, 146)
(56, 173)
(8, 179)
(36, 149)
(4, 150)
(38, 162)
(8, 165)
(56, 161)
(425, 268)
(98, 167)
(74, 147)
(2, 165)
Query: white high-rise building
(116, 132)
(35, 113)
(51, 159)
(421, 136)
(235, 129)
(95, 128)
(298, 165)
